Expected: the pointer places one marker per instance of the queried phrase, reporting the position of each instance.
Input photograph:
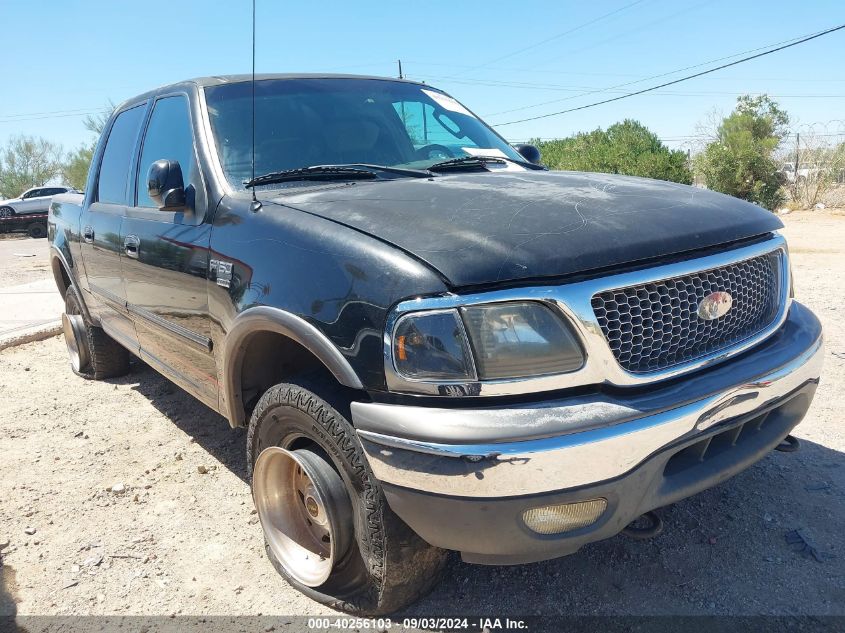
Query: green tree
(27, 162)
(76, 165)
(95, 123)
(741, 161)
(627, 148)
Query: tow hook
(789, 444)
(653, 527)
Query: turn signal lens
(432, 345)
(565, 517)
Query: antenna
(256, 205)
(400, 68)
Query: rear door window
(117, 157)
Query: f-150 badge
(222, 272)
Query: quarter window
(168, 137)
(114, 171)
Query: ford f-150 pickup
(435, 343)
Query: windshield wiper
(315, 172)
(402, 171)
(471, 162)
(348, 171)
(475, 162)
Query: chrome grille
(654, 326)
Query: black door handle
(131, 245)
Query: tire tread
(401, 566)
(109, 359)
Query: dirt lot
(23, 259)
(180, 542)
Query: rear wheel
(93, 353)
(37, 230)
(327, 527)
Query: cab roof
(218, 80)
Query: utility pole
(400, 68)
(797, 143)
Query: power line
(658, 76)
(642, 27)
(20, 114)
(536, 70)
(562, 88)
(676, 139)
(677, 81)
(551, 39)
(54, 116)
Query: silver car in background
(35, 200)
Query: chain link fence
(813, 165)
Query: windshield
(333, 121)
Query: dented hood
(484, 228)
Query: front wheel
(327, 527)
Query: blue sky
(64, 58)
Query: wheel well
(270, 358)
(61, 276)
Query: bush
(741, 161)
(627, 148)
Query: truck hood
(485, 228)
(10, 201)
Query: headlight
(507, 340)
(432, 346)
(515, 340)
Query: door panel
(166, 291)
(29, 204)
(165, 259)
(101, 252)
(101, 223)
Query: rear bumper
(468, 492)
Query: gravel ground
(167, 539)
(23, 259)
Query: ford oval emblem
(715, 305)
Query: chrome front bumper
(528, 449)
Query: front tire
(93, 353)
(385, 566)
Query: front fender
(269, 319)
(323, 285)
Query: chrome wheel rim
(304, 511)
(73, 328)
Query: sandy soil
(176, 541)
(23, 259)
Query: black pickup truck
(435, 343)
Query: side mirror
(165, 185)
(529, 152)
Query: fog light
(565, 517)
